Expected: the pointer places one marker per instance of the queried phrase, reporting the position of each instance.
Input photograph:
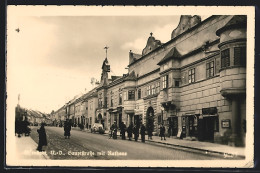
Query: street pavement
(84, 145)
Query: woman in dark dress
(130, 131)
(42, 137)
(143, 132)
(67, 129)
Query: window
(153, 89)
(105, 102)
(192, 75)
(165, 81)
(240, 56)
(210, 69)
(148, 90)
(120, 98)
(225, 58)
(131, 95)
(111, 101)
(157, 87)
(139, 93)
(177, 83)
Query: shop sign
(209, 111)
(225, 123)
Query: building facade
(194, 84)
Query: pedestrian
(136, 132)
(143, 133)
(67, 129)
(130, 131)
(123, 128)
(150, 133)
(162, 132)
(42, 137)
(113, 129)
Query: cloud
(137, 45)
(162, 33)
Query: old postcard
(118, 86)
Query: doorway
(173, 126)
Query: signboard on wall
(225, 123)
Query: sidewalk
(26, 149)
(205, 147)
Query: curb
(199, 149)
(182, 146)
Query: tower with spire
(105, 70)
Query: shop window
(192, 75)
(131, 95)
(210, 69)
(240, 56)
(225, 58)
(139, 93)
(165, 81)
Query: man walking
(143, 133)
(123, 128)
(136, 132)
(162, 132)
(130, 131)
(67, 129)
(42, 137)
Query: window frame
(225, 58)
(165, 80)
(131, 94)
(191, 75)
(241, 59)
(210, 69)
(139, 94)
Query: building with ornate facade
(194, 84)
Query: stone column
(235, 123)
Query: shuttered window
(240, 56)
(225, 58)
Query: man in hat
(67, 129)
(42, 137)
(113, 129)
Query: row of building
(194, 84)
(33, 117)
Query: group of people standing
(134, 130)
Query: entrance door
(190, 125)
(173, 126)
(208, 129)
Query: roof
(235, 21)
(173, 53)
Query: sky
(53, 58)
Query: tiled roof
(172, 53)
(235, 21)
